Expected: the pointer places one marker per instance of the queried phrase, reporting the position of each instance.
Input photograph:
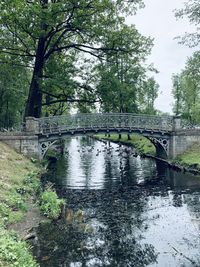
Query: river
(122, 210)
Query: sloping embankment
(19, 181)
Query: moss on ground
(19, 180)
(142, 144)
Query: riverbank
(188, 161)
(24, 203)
(142, 144)
(19, 182)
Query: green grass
(191, 157)
(19, 184)
(14, 252)
(142, 144)
(19, 181)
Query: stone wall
(25, 144)
(181, 141)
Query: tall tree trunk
(34, 102)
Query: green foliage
(50, 203)
(191, 11)
(14, 252)
(32, 184)
(190, 158)
(178, 94)
(18, 182)
(13, 92)
(50, 39)
(15, 200)
(147, 95)
(13, 206)
(121, 80)
(186, 90)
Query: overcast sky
(157, 20)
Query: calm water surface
(121, 211)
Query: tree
(148, 95)
(191, 11)
(13, 83)
(35, 31)
(186, 89)
(178, 94)
(119, 77)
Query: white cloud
(158, 21)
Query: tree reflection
(119, 226)
(59, 244)
(115, 220)
(111, 237)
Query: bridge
(170, 135)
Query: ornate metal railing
(75, 122)
(187, 124)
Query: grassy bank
(190, 158)
(142, 144)
(19, 181)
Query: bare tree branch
(70, 100)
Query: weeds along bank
(20, 191)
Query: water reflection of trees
(119, 225)
(118, 221)
(116, 214)
(59, 244)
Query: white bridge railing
(94, 121)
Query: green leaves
(44, 34)
(191, 10)
(50, 203)
(13, 251)
(122, 78)
(186, 89)
(13, 89)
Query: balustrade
(75, 122)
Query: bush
(14, 252)
(50, 203)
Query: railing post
(176, 123)
(32, 125)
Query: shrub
(31, 186)
(50, 203)
(14, 252)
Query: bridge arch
(160, 142)
(44, 147)
(162, 147)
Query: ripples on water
(137, 212)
